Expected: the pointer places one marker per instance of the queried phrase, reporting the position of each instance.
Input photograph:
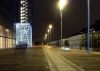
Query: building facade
(6, 38)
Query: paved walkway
(31, 59)
(48, 59)
(58, 63)
(80, 58)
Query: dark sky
(74, 17)
(45, 12)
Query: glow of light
(45, 36)
(22, 8)
(65, 48)
(48, 30)
(94, 31)
(50, 26)
(23, 17)
(62, 4)
(23, 11)
(22, 14)
(7, 30)
(22, 2)
(49, 47)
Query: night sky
(45, 12)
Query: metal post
(88, 41)
(50, 36)
(61, 26)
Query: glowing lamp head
(7, 30)
(45, 36)
(48, 30)
(62, 4)
(50, 26)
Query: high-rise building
(23, 11)
(24, 28)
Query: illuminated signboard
(23, 33)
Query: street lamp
(7, 30)
(48, 35)
(61, 5)
(88, 35)
(50, 27)
(45, 38)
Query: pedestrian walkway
(78, 51)
(96, 53)
(30, 59)
(58, 63)
(80, 58)
(45, 58)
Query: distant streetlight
(50, 27)
(7, 30)
(48, 30)
(61, 5)
(45, 38)
(48, 35)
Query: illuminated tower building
(24, 11)
(24, 28)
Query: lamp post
(48, 35)
(45, 38)
(88, 35)
(61, 5)
(50, 27)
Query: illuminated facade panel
(23, 11)
(23, 34)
